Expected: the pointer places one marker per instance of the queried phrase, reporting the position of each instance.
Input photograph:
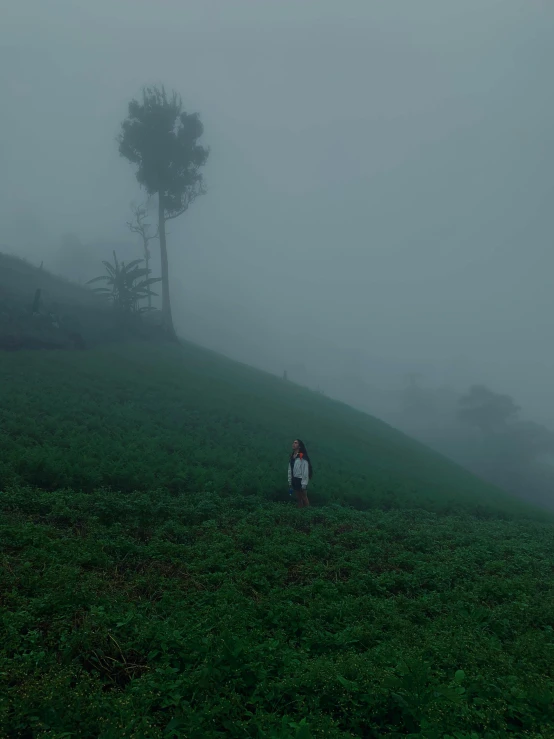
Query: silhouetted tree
(162, 141)
(487, 410)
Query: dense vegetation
(155, 584)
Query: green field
(155, 580)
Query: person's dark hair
(302, 449)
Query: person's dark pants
(301, 495)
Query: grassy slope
(190, 603)
(77, 308)
(185, 418)
(19, 279)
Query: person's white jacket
(302, 470)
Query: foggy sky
(380, 179)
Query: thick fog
(380, 182)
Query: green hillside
(189, 420)
(155, 580)
(19, 279)
(60, 310)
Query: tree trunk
(147, 260)
(167, 320)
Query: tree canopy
(487, 410)
(162, 141)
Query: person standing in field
(300, 472)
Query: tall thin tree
(162, 141)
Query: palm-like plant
(126, 285)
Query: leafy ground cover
(143, 417)
(153, 583)
(152, 615)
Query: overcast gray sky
(380, 178)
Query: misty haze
(354, 199)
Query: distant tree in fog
(162, 141)
(487, 410)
